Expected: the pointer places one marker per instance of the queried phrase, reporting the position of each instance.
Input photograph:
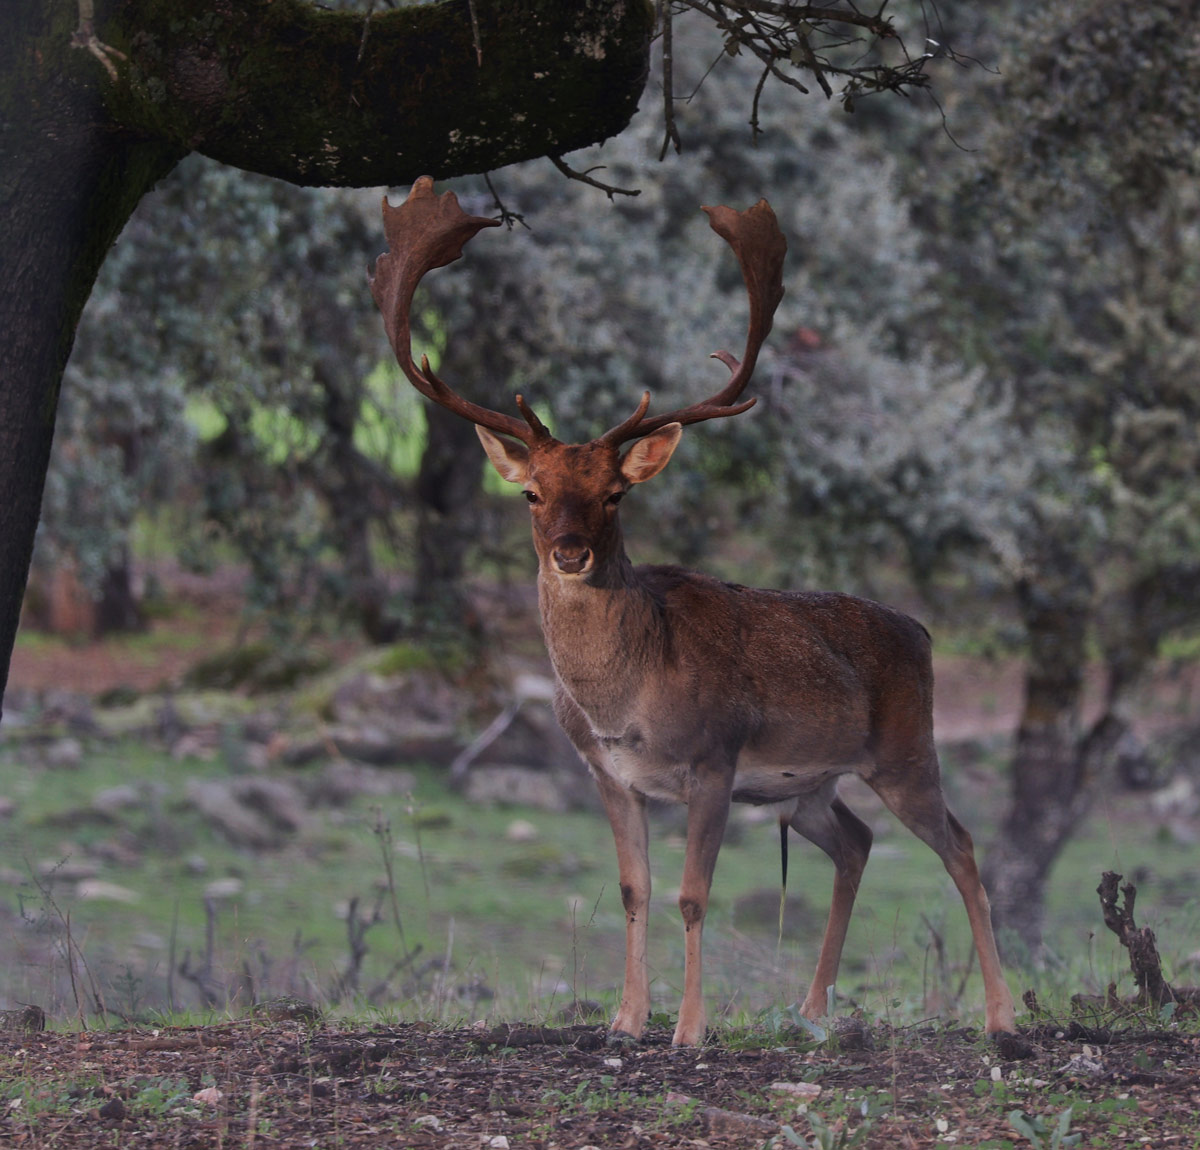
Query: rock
(805, 1091)
(113, 1110)
(379, 743)
(250, 811)
(521, 831)
(850, 1033)
(287, 1008)
(757, 912)
(96, 890)
(516, 786)
(26, 1018)
(127, 796)
(67, 870)
(63, 754)
(526, 736)
(341, 780)
(223, 888)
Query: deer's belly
(754, 781)
(760, 783)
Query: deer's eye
(532, 497)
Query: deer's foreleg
(708, 811)
(626, 812)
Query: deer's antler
(429, 231)
(760, 247)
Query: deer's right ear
(509, 458)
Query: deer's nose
(571, 555)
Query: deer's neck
(604, 634)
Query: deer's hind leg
(828, 823)
(914, 795)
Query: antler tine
(760, 247)
(430, 231)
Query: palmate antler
(429, 231)
(760, 248)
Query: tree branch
(609, 190)
(306, 95)
(825, 41)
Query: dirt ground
(286, 1084)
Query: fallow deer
(674, 685)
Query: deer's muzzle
(571, 555)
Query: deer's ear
(650, 454)
(509, 458)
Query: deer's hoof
(1011, 1046)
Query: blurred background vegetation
(980, 398)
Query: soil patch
(284, 1084)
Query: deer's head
(573, 489)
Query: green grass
(502, 927)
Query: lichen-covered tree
(99, 99)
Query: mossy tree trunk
(1052, 760)
(99, 99)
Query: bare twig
(202, 977)
(366, 32)
(671, 129)
(609, 190)
(507, 217)
(383, 834)
(85, 37)
(357, 927)
(475, 33)
(830, 43)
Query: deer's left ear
(650, 454)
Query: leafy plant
(1041, 1134)
(826, 1136)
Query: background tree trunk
(448, 521)
(1049, 792)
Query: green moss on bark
(321, 97)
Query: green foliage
(1042, 1134)
(230, 361)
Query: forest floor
(288, 1084)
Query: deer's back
(793, 676)
(762, 632)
